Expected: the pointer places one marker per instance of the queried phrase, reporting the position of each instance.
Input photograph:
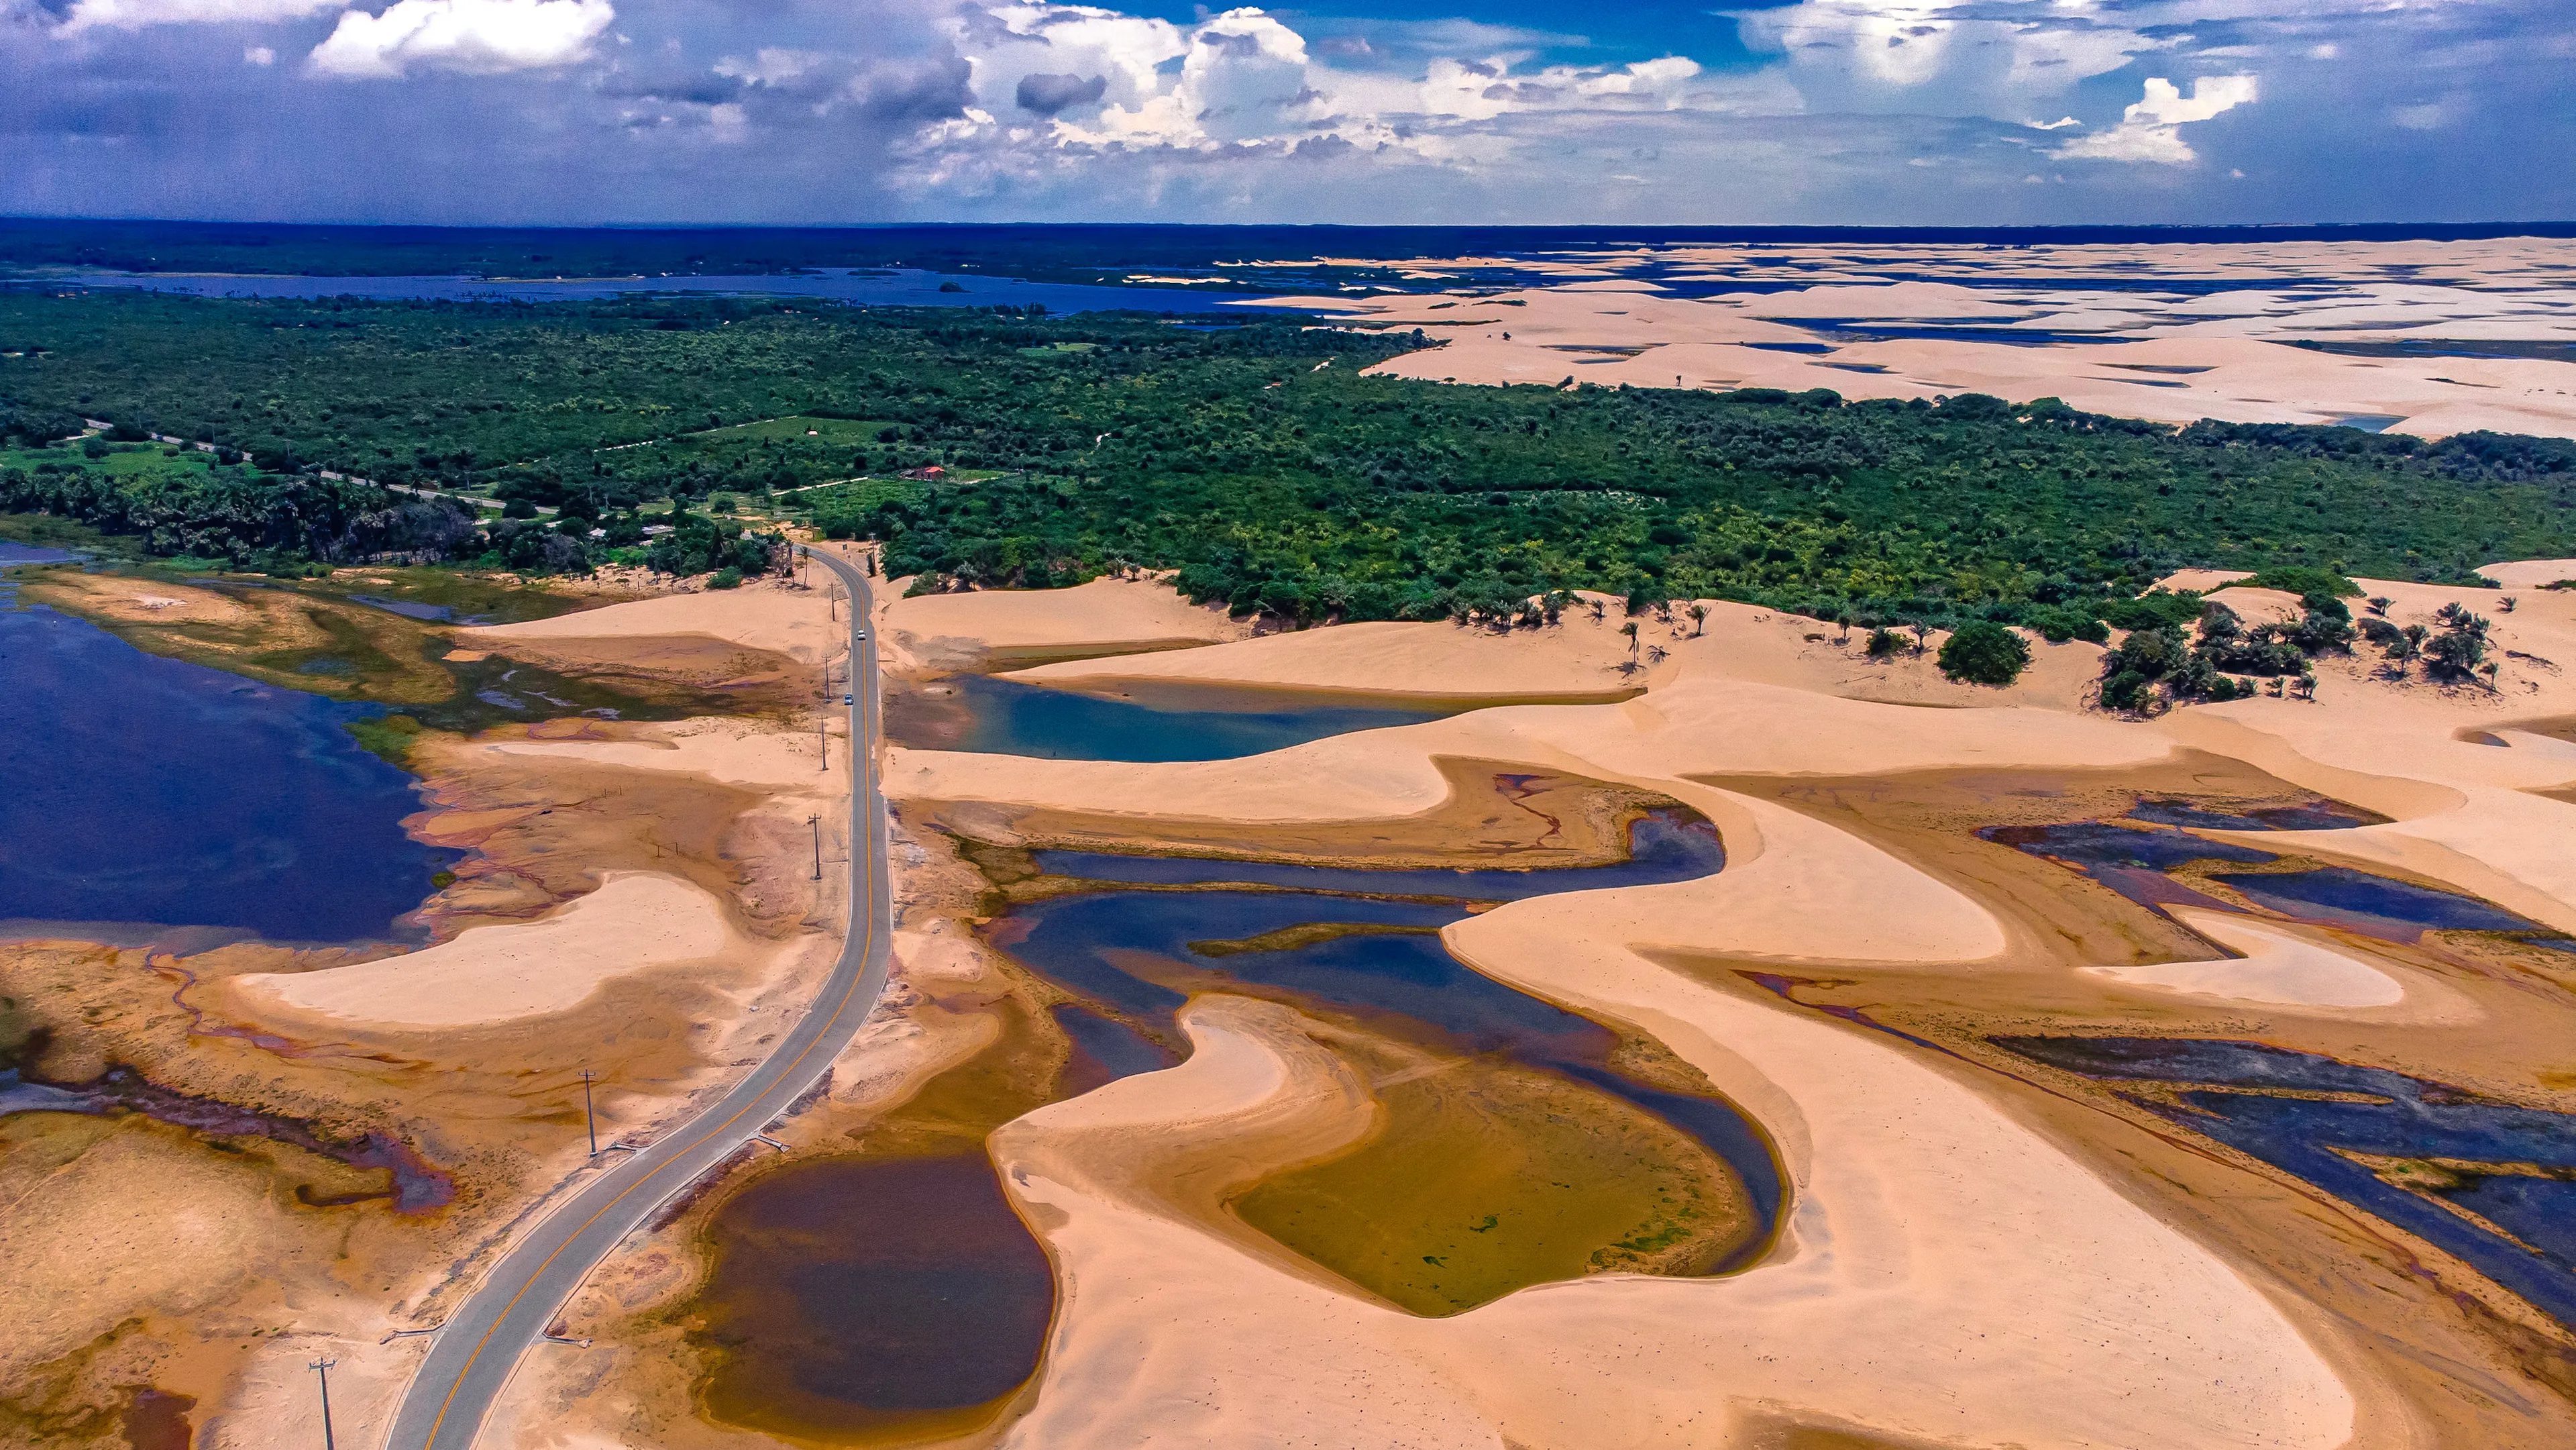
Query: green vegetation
(1254, 460)
(387, 737)
(2299, 579)
(2157, 666)
(1483, 1178)
(1981, 652)
(839, 511)
(186, 503)
(2452, 649)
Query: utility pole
(589, 1119)
(322, 1367)
(817, 823)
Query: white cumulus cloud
(1066, 78)
(2150, 130)
(476, 37)
(1873, 54)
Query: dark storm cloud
(1044, 95)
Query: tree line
(1261, 464)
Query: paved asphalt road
(474, 1352)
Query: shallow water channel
(2139, 856)
(1135, 720)
(2492, 1182)
(1512, 1088)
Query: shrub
(1984, 653)
(1884, 642)
(2305, 579)
(727, 577)
(2152, 611)
(2058, 623)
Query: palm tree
(1699, 620)
(1630, 630)
(2406, 647)
(2491, 668)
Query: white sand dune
(634, 922)
(763, 616)
(1100, 616)
(740, 752)
(2530, 573)
(1946, 1275)
(1582, 656)
(2172, 356)
(1417, 661)
(2280, 966)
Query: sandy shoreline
(632, 923)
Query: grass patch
(389, 738)
(837, 432)
(1305, 934)
(2303, 579)
(1485, 1179)
(466, 594)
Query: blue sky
(1902, 112)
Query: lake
(1381, 959)
(1138, 722)
(140, 794)
(862, 287)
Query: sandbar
(2280, 967)
(634, 922)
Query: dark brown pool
(856, 1297)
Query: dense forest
(1254, 459)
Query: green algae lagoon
(1518, 1143)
